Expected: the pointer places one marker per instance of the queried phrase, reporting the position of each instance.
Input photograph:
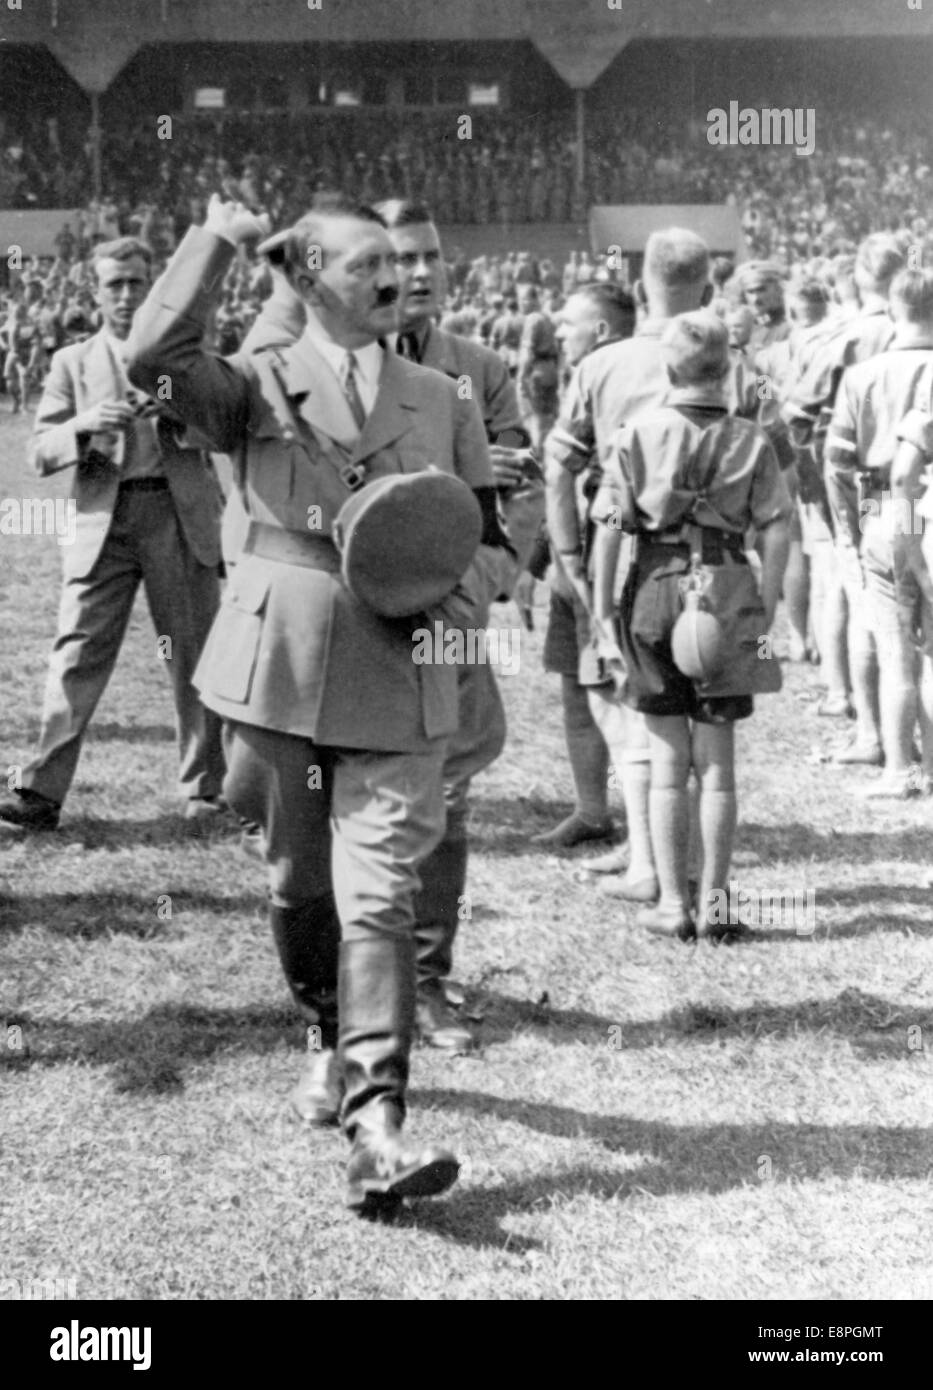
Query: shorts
(568, 644)
(651, 604)
(895, 605)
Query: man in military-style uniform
(336, 737)
(481, 733)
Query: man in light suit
(148, 511)
(336, 736)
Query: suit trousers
(342, 820)
(477, 741)
(144, 545)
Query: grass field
(645, 1120)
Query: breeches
(344, 820)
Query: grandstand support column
(579, 97)
(579, 55)
(95, 145)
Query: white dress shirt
(368, 361)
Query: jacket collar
(318, 398)
(103, 376)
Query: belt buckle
(353, 477)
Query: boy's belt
(716, 544)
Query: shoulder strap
(350, 474)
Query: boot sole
(429, 1180)
(316, 1119)
(454, 1045)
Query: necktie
(407, 346)
(351, 391)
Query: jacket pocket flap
(248, 590)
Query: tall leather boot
(377, 1016)
(443, 878)
(308, 942)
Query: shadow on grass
(118, 832)
(148, 1054)
(675, 1159)
(799, 841)
(113, 732)
(504, 826)
(875, 1027)
(84, 916)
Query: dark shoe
(575, 830)
(724, 935)
(383, 1169)
(28, 810)
(437, 1023)
(318, 1094)
(377, 1017)
(443, 879)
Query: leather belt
(716, 543)
(307, 549)
(144, 485)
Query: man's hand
(106, 418)
(608, 649)
(234, 221)
(509, 465)
(572, 565)
(524, 596)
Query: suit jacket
(522, 507)
(81, 376)
(281, 323)
(291, 649)
(492, 386)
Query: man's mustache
(387, 296)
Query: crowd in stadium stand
(864, 174)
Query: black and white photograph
(466, 692)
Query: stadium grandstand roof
(94, 39)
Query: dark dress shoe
(437, 1024)
(28, 810)
(575, 830)
(383, 1169)
(725, 935)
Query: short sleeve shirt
(689, 461)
